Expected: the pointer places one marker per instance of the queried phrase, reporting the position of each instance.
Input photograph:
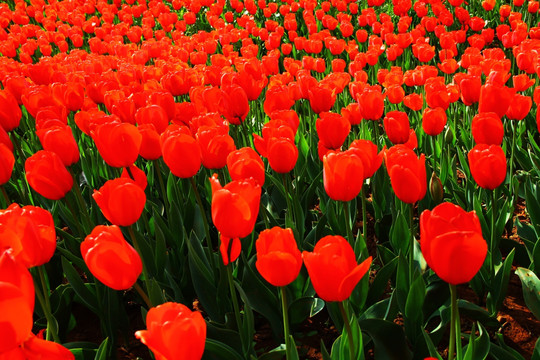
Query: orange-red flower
(371, 102)
(121, 201)
(7, 160)
(332, 129)
(216, 144)
(59, 139)
(488, 165)
(452, 243)
(245, 163)
(343, 175)
(277, 145)
(181, 152)
(333, 269)
(47, 175)
(396, 126)
(433, 121)
(235, 206)
(278, 258)
(110, 258)
(117, 143)
(407, 173)
(10, 112)
(368, 153)
(174, 332)
(29, 232)
(487, 128)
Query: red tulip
(245, 163)
(333, 269)
(47, 175)
(136, 175)
(487, 128)
(332, 129)
(321, 98)
(35, 348)
(10, 112)
(59, 139)
(371, 102)
(15, 316)
(488, 165)
(150, 142)
(343, 175)
(121, 201)
(117, 143)
(433, 121)
(235, 206)
(278, 259)
(452, 243)
(174, 332)
(110, 258)
(367, 151)
(181, 152)
(352, 114)
(495, 98)
(415, 102)
(280, 151)
(519, 107)
(7, 161)
(407, 173)
(216, 144)
(396, 125)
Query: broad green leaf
(86, 296)
(478, 347)
(531, 290)
(500, 284)
(389, 339)
(216, 350)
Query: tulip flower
(332, 129)
(343, 175)
(235, 206)
(368, 153)
(407, 173)
(181, 152)
(333, 269)
(488, 165)
(433, 121)
(47, 175)
(278, 258)
(245, 163)
(371, 103)
(174, 332)
(277, 145)
(216, 144)
(396, 125)
(117, 143)
(36, 348)
(121, 201)
(110, 258)
(30, 233)
(16, 302)
(59, 139)
(7, 161)
(10, 112)
(452, 243)
(487, 128)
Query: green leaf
(86, 296)
(431, 348)
(216, 350)
(478, 347)
(102, 352)
(275, 354)
(388, 338)
(380, 283)
(531, 290)
(400, 234)
(292, 351)
(536, 353)
(500, 284)
(413, 308)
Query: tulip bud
(436, 189)
(449, 136)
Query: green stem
(289, 212)
(143, 295)
(205, 223)
(233, 297)
(493, 226)
(157, 169)
(75, 216)
(285, 309)
(455, 327)
(348, 329)
(5, 195)
(52, 329)
(138, 249)
(411, 246)
(81, 202)
(514, 131)
(364, 214)
(350, 234)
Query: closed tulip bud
(332, 130)
(436, 189)
(278, 258)
(235, 206)
(452, 243)
(61, 141)
(488, 165)
(487, 128)
(449, 136)
(174, 332)
(396, 125)
(121, 201)
(181, 152)
(245, 163)
(110, 258)
(433, 121)
(7, 161)
(343, 175)
(333, 269)
(117, 143)
(10, 112)
(407, 173)
(47, 175)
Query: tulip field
(298, 179)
